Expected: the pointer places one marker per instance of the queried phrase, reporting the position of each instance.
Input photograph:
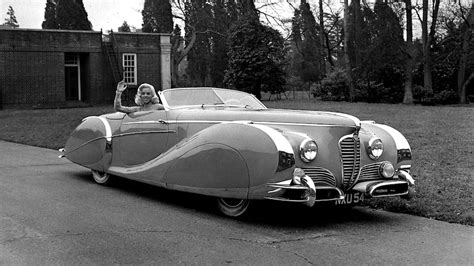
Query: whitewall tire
(101, 178)
(232, 207)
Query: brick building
(56, 68)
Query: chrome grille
(370, 171)
(350, 157)
(321, 175)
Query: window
(129, 63)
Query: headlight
(387, 170)
(308, 150)
(375, 148)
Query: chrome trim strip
(144, 132)
(161, 122)
(247, 121)
(114, 136)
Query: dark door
(72, 83)
(72, 76)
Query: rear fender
(90, 143)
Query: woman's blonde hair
(154, 98)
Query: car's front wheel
(101, 178)
(232, 207)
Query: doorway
(72, 73)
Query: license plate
(351, 198)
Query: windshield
(210, 96)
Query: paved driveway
(51, 212)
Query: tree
(347, 61)
(467, 49)
(50, 21)
(410, 54)
(256, 57)
(124, 28)
(427, 40)
(71, 15)
(219, 49)
(199, 22)
(307, 43)
(11, 18)
(157, 16)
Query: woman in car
(146, 99)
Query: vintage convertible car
(227, 144)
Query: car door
(143, 136)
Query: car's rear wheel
(232, 207)
(101, 178)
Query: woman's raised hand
(121, 86)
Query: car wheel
(232, 207)
(101, 178)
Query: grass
(440, 137)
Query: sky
(108, 14)
(103, 14)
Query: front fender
(226, 159)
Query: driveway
(51, 212)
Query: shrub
(425, 97)
(333, 87)
(377, 93)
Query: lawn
(441, 138)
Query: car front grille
(350, 157)
(320, 175)
(370, 171)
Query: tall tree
(410, 54)
(467, 49)
(71, 15)
(11, 18)
(347, 61)
(321, 38)
(220, 29)
(427, 40)
(176, 48)
(124, 28)
(157, 16)
(307, 43)
(256, 57)
(50, 20)
(199, 18)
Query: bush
(425, 97)
(333, 87)
(372, 92)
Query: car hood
(282, 116)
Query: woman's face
(146, 95)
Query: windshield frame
(167, 106)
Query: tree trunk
(427, 39)
(357, 38)
(347, 61)
(461, 81)
(179, 56)
(408, 95)
(321, 36)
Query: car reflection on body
(227, 144)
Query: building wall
(148, 50)
(32, 71)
